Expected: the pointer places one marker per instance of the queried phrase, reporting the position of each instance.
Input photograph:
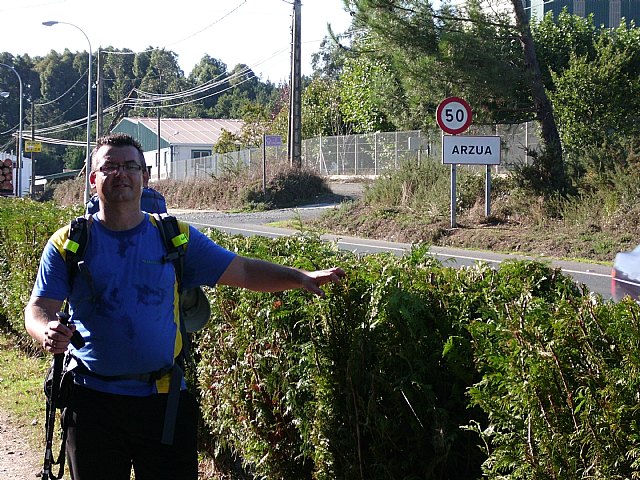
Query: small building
(180, 139)
(606, 13)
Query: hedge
(408, 369)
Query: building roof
(179, 131)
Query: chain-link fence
(361, 155)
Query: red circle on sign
(454, 115)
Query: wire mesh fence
(361, 155)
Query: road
(597, 277)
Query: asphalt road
(597, 277)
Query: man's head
(117, 172)
(117, 140)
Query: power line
(143, 104)
(62, 95)
(215, 22)
(210, 25)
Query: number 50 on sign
(453, 115)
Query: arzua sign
(470, 150)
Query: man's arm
(42, 324)
(262, 276)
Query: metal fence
(361, 155)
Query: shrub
(559, 381)
(367, 383)
(25, 227)
(402, 370)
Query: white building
(179, 139)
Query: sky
(253, 32)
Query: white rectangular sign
(469, 150)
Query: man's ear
(92, 179)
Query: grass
(21, 387)
(21, 382)
(21, 394)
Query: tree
(60, 80)
(119, 82)
(551, 162)
(10, 106)
(361, 103)
(321, 113)
(63, 99)
(212, 73)
(256, 119)
(558, 39)
(160, 75)
(469, 52)
(596, 98)
(432, 55)
(227, 142)
(328, 61)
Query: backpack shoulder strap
(76, 244)
(175, 242)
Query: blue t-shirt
(126, 308)
(151, 201)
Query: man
(123, 303)
(152, 201)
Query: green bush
(25, 227)
(407, 369)
(559, 382)
(368, 382)
(426, 188)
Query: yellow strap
(179, 240)
(71, 245)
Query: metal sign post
(454, 117)
(268, 141)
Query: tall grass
(232, 190)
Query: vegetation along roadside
(297, 387)
(412, 205)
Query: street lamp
(19, 162)
(87, 164)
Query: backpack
(175, 243)
(151, 201)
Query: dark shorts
(109, 434)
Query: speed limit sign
(453, 115)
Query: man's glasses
(128, 167)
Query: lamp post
(19, 161)
(87, 164)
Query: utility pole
(99, 87)
(33, 160)
(295, 94)
(159, 110)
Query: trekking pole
(58, 359)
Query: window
(200, 153)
